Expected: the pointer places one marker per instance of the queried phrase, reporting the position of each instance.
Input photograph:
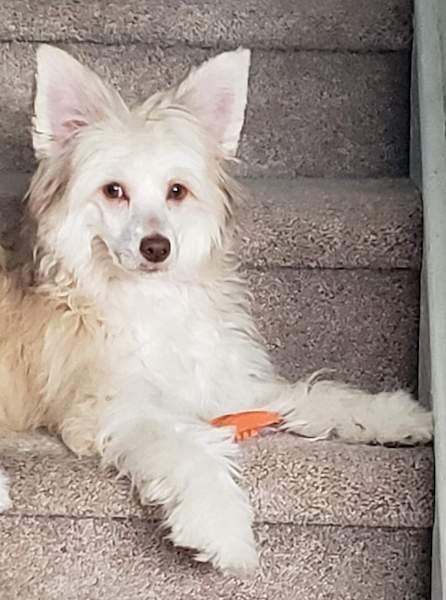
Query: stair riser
(309, 113)
(362, 324)
(327, 24)
(331, 223)
(89, 559)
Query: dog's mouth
(152, 268)
(135, 264)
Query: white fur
(63, 102)
(325, 409)
(5, 500)
(188, 468)
(176, 345)
(216, 93)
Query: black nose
(155, 248)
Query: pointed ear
(216, 93)
(68, 97)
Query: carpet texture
(332, 521)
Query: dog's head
(147, 184)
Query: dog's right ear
(69, 96)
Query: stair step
(327, 24)
(290, 480)
(92, 559)
(327, 261)
(353, 521)
(310, 113)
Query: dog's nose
(155, 248)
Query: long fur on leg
(188, 468)
(319, 408)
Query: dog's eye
(177, 192)
(114, 191)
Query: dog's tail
(325, 409)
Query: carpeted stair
(331, 243)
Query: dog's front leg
(188, 467)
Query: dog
(132, 330)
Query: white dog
(135, 331)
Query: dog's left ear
(216, 93)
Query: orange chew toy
(247, 424)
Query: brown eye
(114, 191)
(177, 192)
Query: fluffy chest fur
(176, 344)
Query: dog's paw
(415, 427)
(220, 531)
(234, 558)
(230, 553)
(5, 500)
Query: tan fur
(50, 356)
